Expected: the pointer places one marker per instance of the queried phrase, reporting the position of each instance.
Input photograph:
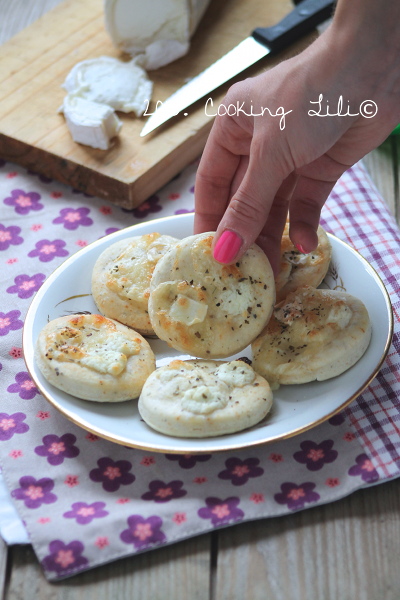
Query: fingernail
(227, 247)
(301, 249)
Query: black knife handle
(300, 21)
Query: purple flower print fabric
(86, 501)
(143, 532)
(26, 285)
(23, 386)
(56, 449)
(23, 202)
(9, 236)
(45, 250)
(84, 513)
(12, 424)
(221, 512)
(64, 558)
(34, 492)
(10, 322)
(112, 474)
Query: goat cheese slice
(159, 30)
(90, 123)
(123, 86)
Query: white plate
(296, 408)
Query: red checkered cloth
(357, 214)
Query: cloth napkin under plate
(86, 501)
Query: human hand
(253, 173)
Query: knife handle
(300, 21)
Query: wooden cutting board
(34, 64)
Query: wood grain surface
(346, 550)
(35, 62)
(177, 572)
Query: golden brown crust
(206, 309)
(312, 335)
(297, 269)
(204, 398)
(121, 279)
(94, 358)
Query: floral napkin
(86, 501)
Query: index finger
(214, 179)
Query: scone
(312, 335)
(121, 278)
(297, 269)
(206, 309)
(204, 398)
(94, 358)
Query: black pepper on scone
(94, 358)
(204, 398)
(207, 309)
(313, 334)
(121, 278)
(297, 269)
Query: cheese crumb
(235, 373)
(204, 399)
(188, 311)
(102, 350)
(90, 123)
(340, 315)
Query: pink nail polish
(301, 249)
(227, 247)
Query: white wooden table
(347, 550)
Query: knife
(264, 40)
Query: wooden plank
(36, 61)
(179, 572)
(347, 549)
(381, 165)
(3, 567)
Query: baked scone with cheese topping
(297, 269)
(94, 358)
(204, 398)
(313, 334)
(207, 309)
(121, 278)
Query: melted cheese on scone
(236, 373)
(204, 399)
(121, 278)
(200, 398)
(100, 348)
(297, 269)
(130, 275)
(313, 334)
(94, 358)
(207, 309)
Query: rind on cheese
(158, 30)
(90, 123)
(123, 86)
(201, 398)
(297, 269)
(94, 358)
(206, 309)
(121, 278)
(314, 334)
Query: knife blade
(263, 40)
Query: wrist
(365, 38)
